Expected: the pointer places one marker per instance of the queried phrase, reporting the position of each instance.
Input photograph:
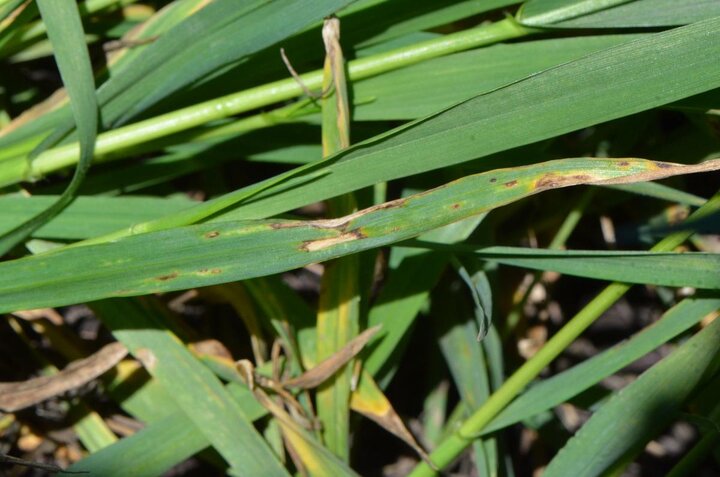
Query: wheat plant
(371, 237)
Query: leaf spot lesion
(169, 276)
(209, 271)
(320, 244)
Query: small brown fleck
(456, 206)
(623, 163)
(663, 165)
(212, 234)
(494, 179)
(169, 276)
(210, 271)
(511, 184)
(582, 177)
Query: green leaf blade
(65, 30)
(639, 411)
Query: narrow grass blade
(180, 56)
(87, 216)
(457, 332)
(615, 82)
(479, 286)
(699, 452)
(369, 400)
(14, 18)
(338, 319)
(632, 14)
(196, 390)
(141, 396)
(215, 253)
(662, 192)
(553, 391)
(140, 453)
(639, 411)
(65, 31)
(29, 129)
(314, 459)
(402, 17)
(457, 441)
(634, 74)
(697, 269)
(549, 12)
(412, 275)
(6, 9)
(16, 168)
(445, 81)
(234, 35)
(290, 318)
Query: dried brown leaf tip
(370, 401)
(211, 347)
(18, 395)
(661, 170)
(317, 375)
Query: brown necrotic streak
(169, 276)
(553, 181)
(319, 244)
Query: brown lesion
(213, 234)
(512, 183)
(169, 276)
(286, 225)
(554, 181)
(319, 244)
(210, 271)
(341, 224)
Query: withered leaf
(18, 395)
(329, 366)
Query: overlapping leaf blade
(640, 410)
(211, 253)
(553, 391)
(606, 85)
(617, 13)
(65, 31)
(197, 392)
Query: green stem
(444, 454)
(253, 98)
